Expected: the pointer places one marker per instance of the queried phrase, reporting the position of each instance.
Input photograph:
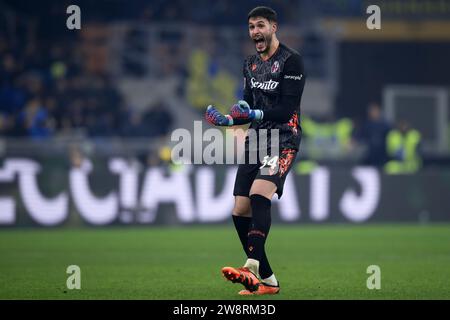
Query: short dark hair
(264, 12)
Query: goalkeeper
(273, 85)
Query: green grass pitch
(310, 261)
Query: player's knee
(242, 207)
(263, 188)
(242, 211)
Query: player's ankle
(252, 265)
(272, 281)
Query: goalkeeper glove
(216, 118)
(242, 111)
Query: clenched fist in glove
(216, 118)
(242, 111)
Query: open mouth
(260, 43)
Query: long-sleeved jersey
(276, 86)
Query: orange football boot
(263, 288)
(243, 276)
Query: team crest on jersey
(275, 67)
(253, 67)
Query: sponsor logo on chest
(265, 85)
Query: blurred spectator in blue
(35, 120)
(373, 134)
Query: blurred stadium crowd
(51, 87)
(45, 91)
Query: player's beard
(267, 42)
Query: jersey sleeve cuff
(259, 114)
